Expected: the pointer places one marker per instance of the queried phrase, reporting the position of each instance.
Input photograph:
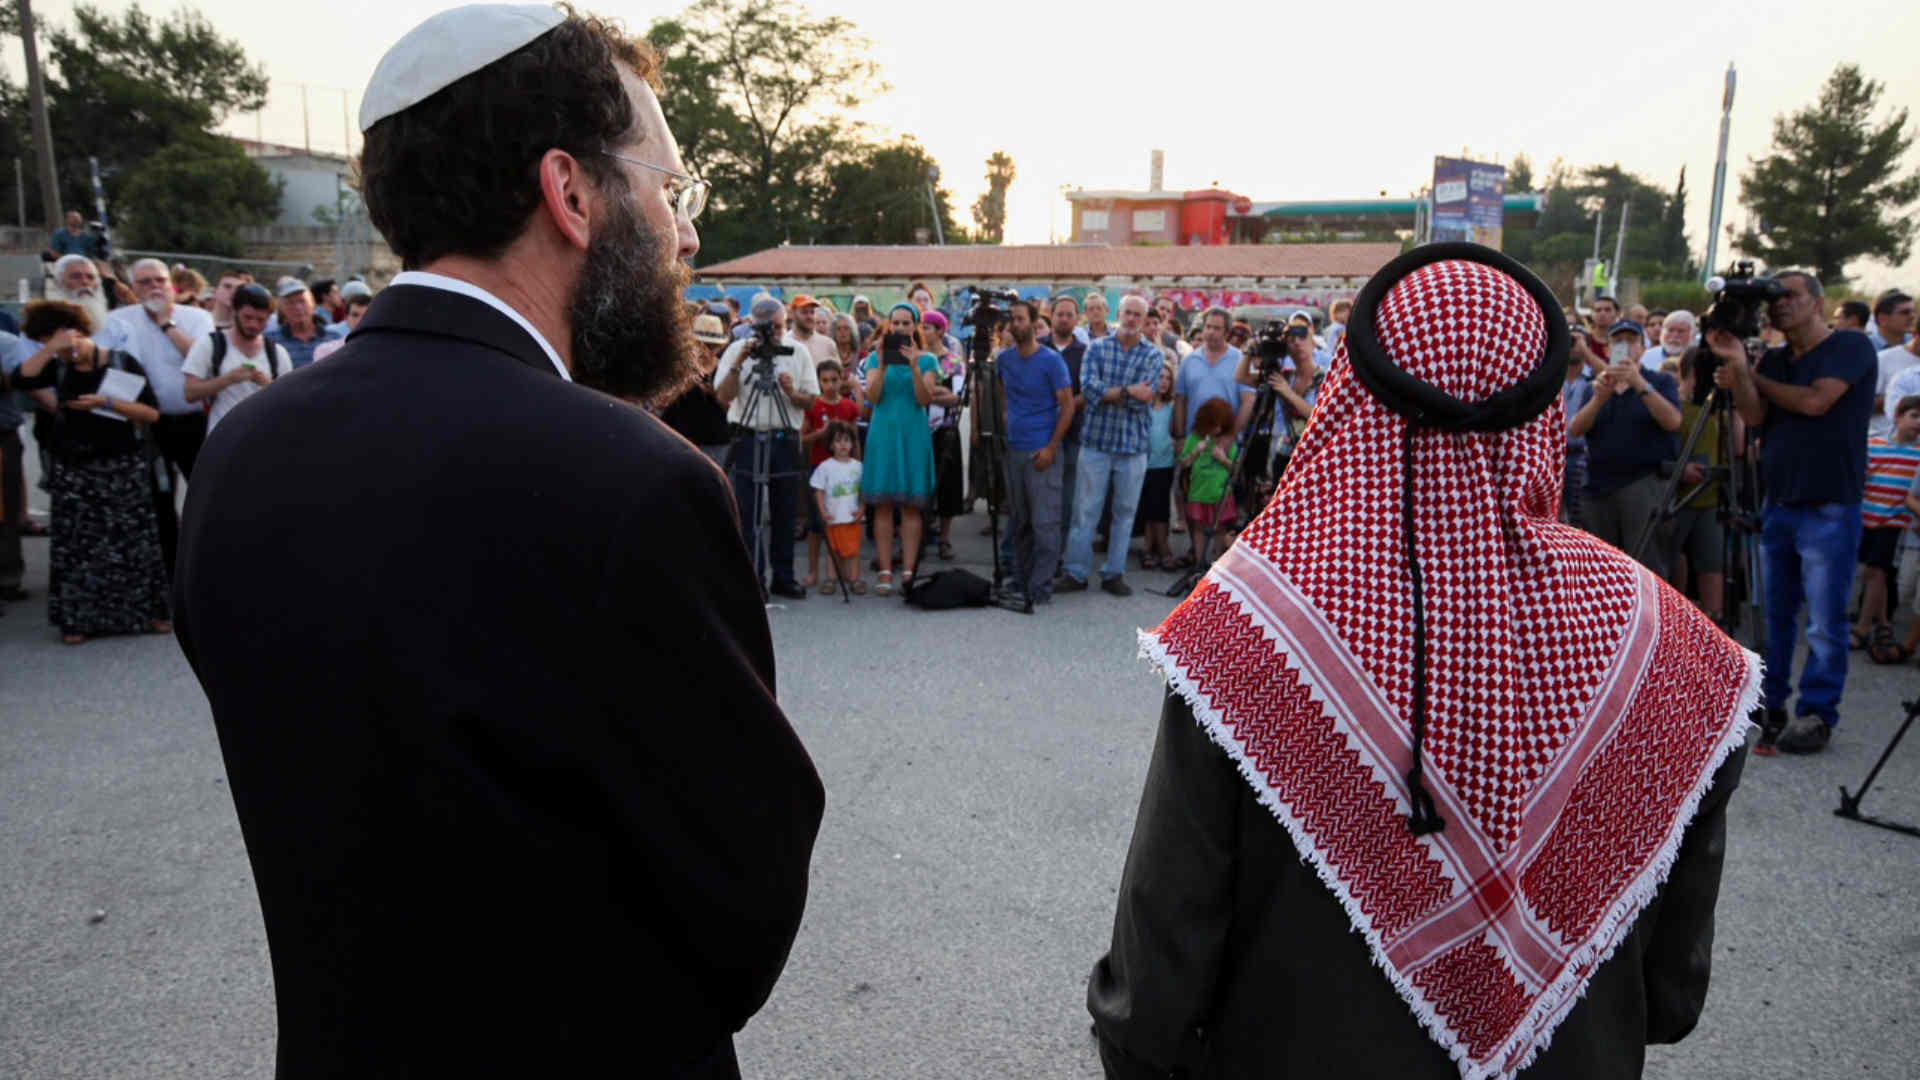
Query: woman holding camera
(901, 379)
(107, 575)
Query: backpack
(949, 589)
(220, 354)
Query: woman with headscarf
(1440, 783)
(949, 476)
(106, 574)
(901, 378)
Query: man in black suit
(519, 798)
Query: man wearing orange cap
(801, 331)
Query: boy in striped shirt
(1893, 461)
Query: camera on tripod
(1739, 296)
(766, 347)
(1271, 346)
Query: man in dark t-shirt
(1810, 399)
(1629, 424)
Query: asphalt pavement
(982, 771)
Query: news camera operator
(779, 411)
(1810, 400)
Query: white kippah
(447, 48)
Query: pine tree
(1673, 228)
(1829, 193)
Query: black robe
(495, 690)
(1232, 959)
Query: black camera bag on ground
(949, 589)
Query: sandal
(1856, 640)
(1149, 562)
(1183, 562)
(1882, 649)
(946, 551)
(884, 587)
(860, 588)
(906, 582)
(73, 639)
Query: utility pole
(1719, 180)
(37, 110)
(933, 205)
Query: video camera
(1270, 347)
(765, 346)
(990, 306)
(1739, 296)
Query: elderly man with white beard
(158, 333)
(77, 280)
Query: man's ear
(569, 196)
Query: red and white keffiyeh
(1576, 708)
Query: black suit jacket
(495, 690)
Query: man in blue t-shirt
(1810, 399)
(1039, 409)
(1211, 371)
(1629, 424)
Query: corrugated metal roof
(1058, 261)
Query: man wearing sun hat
(514, 781)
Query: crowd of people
(1132, 429)
(1105, 426)
(1825, 418)
(121, 371)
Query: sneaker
(1772, 723)
(1806, 735)
(1116, 586)
(1068, 583)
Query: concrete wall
(312, 244)
(309, 182)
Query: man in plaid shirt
(1117, 378)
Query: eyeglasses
(689, 195)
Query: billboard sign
(1469, 200)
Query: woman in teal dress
(899, 465)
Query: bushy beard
(93, 300)
(631, 335)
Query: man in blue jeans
(1810, 400)
(1039, 401)
(1117, 379)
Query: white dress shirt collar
(469, 289)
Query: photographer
(1629, 425)
(789, 385)
(1810, 400)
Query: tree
(1520, 175)
(879, 196)
(756, 89)
(1673, 230)
(127, 87)
(195, 194)
(990, 209)
(1828, 193)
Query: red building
(1152, 217)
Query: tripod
(1264, 410)
(983, 394)
(763, 386)
(1732, 490)
(1850, 804)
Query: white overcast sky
(1281, 102)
